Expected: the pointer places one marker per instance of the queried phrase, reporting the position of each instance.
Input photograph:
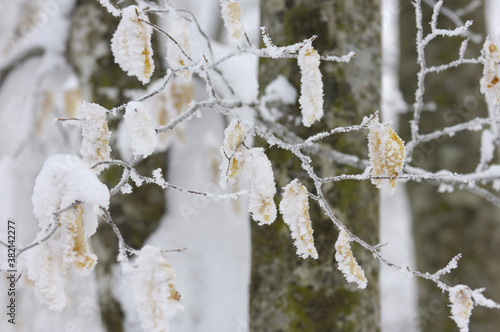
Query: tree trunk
(289, 293)
(447, 224)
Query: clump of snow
(233, 154)
(110, 7)
(153, 290)
(95, 134)
(142, 135)
(178, 51)
(347, 263)
(490, 82)
(280, 89)
(231, 12)
(262, 186)
(63, 181)
(311, 85)
(386, 151)
(461, 306)
(295, 210)
(131, 44)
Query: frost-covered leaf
(295, 210)
(231, 11)
(131, 44)
(64, 180)
(95, 134)
(142, 135)
(386, 152)
(461, 306)
(347, 263)
(262, 186)
(233, 155)
(153, 290)
(178, 51)
(490, 82)
(311, 85)
(168, 104)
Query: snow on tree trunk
(289, 293)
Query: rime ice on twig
(386, 151)
(233, 155)
(153, 290)
(295, 210)
(64, 180)
(111, 8)
(143, 139)
(131, 44)
(311, 85)
(231, 11)
(262, 186)
(95, 134)
(347, 263)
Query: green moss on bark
(289, 293)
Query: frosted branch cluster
(70, 183)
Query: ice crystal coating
(178, 51)
(461, 306)
(63, 180)
(386, 151)
(167, 105)
(311, 85)
(231, 11)
(153, 290)
(110, 7)
(233, 154)
(95, 134)
(295, 210)
(131, 44)
(142, 135)
(262, 186)
(347, 263)
(490, 82)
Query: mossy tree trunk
(447, 224)
(103, 82)
(287, 292)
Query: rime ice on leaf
(461, 306)
(178, 51)
(233, 155)
(262, 186)
(295, 210)
(490, 82)
(140, 131)
(386, 151)
(311, 85)
(64, 180)
(95, 134)
(131, 44)
(153, 290)
(231, 11)
(168, 104)
(347, 263)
